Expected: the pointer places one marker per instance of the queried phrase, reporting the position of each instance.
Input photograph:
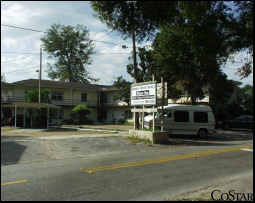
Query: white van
(184, 119)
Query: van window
(181, 116)
(200, 117)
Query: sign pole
(153, 114)
(162, 103)
(134, 119)
(143, 118)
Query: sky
(20, 49)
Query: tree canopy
(32, 96)
(72, 49)
(124, 85)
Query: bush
(121, 121)
(80, 112)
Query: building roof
(61, 84)
(5, 84)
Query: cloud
(109, 61)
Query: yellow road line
(14, 182)
(162, 160)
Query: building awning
(31, 105)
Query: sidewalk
(240, 184)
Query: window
(200, 117)
(57, 96)
(84, 97)
(181, 116)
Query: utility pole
(135, 74)
(40, 75)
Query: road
(113, 169)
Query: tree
(72, 49)
(81, 111)
(124, 86)
(194, 46)
(242, 34)
(128, 18)
(246, 94)
(33, 96)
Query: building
(100, 98)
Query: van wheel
(202, 133)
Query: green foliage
(124, 86)
(33, 96)
(72, 49)
(81, 112)
(241, 30)
(125, 17)
(194, 46)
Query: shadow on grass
(60, 129)
(11, 152)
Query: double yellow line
(162, 160)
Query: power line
(22, 28)
(17, 70)
(12, 26)
(39, 53)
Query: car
(242, 122)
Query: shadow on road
(220, 139)
(11, 152)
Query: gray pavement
(55, 169)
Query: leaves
(33, 96)
(72, 49)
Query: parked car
(244, 121)
(184, 119)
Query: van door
(200, 120)
(181, 122)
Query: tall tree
(128, 18)
(194, 46)
(72, 49)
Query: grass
(7, 128)
(136, 139)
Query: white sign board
(143, 94)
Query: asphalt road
(113, 169)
